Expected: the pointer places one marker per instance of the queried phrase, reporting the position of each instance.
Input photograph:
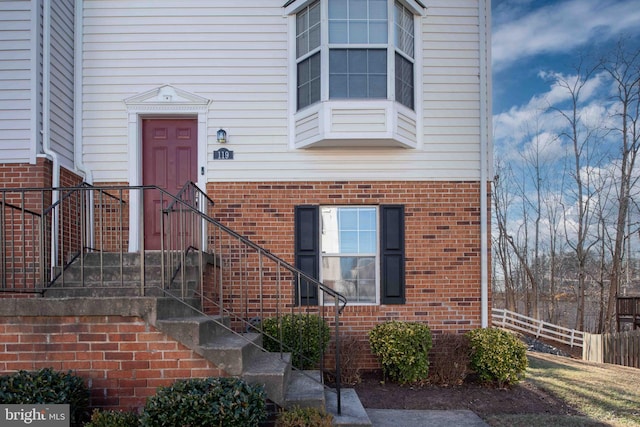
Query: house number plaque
(223, 154)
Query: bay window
(353, 73)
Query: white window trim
(377, 254)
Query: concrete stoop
(352, 412)
(120, 275)
(240, 355)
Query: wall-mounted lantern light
(221, 136)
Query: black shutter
(307, 252)
(392, 253)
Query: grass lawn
(605, 394)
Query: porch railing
(239, 278)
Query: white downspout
(46, 126)
(485, 129)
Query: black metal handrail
(243, 278)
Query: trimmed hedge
(47, 386)
(306, 336)
(403, 349)
(497, 356)
(304, 417)
(223, 402)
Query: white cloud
(558, 27)
(513, 129)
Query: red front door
(169, 159)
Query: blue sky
(535, 45)
(533, 38)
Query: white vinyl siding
(15, 82)
(62, 76)
(237, 54)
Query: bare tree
(623, 67)
(582, 138)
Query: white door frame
(165, 101)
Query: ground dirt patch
(533, 402)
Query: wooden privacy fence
(538, 328)
(620, 348)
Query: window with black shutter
(356, 250)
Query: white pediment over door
(166, 98)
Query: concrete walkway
(415, 418)
(355, 415)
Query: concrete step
(94, 292)
(132, 259)
(305, 390)
(352, 413)
(232, 352)
(194, 331)
(273, 371)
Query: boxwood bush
(497, 356)
(306, 336)
(47, 386)
(210, 402)
(113, 419)
(403, 350)
(304, 417)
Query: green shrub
(47, 386)
(497, 356)
(113, 419)
(304, 417)
(222, 402)
(403, 350)
(306, 336)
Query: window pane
(314, 66)
(358, 32)
(378, 32)
(314, 91)
(367, 218)
(357, 86)
(357, 9)
(377, 61)
(338, 32)
(314, 37)
(303, 96)
(404, 81)
(338, 61)
(367, 242)
(348, 242)
(378, 9)
(308, 72)
(377, 86)
(357, 73)
(303, 72)
(314, 14)
(357, 61)
(338, 87)
(337, 9)
(404, 31)
(348, 218)
(354, 277)
(301, 23)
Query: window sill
(356, 123)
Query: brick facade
(442, 242)
(122, 359)
(23, 211)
